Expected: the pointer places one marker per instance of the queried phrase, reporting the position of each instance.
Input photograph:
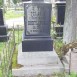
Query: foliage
(15, 1)
(64, 74)
(6, 56)
(8, 51)
(53, 20)
(12, 14)
(0, 73)
(58, 44)
(17, 41)
(59, 75)
(53, 33)
(58, 25)
(73, 74)
(18, 37)
(14, 59)
(1, 3)
(10, 74)
(2, 44)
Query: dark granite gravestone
(1, 18)
(60, 13)
(37, 22)
(3, 29)
(59, 31)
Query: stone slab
(32, 58)
(34, 63)
(38, 69)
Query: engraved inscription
(37, 19)
(34, 20)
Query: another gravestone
(3, 29)
(37, 22)
(59, 31)
(60, 13)
(1, 18)
(60, 7)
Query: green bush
(58, 44)
(73, 74)
(2, 45)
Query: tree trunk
(70, 21)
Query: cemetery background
(59, 42)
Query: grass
(2, 45)
(18, 38)
(73, 74)
(12, 14)
(14, 59)
(58, 44)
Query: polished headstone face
(37, 19)
(1, 18)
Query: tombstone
(1, 18)
(36, 53)
(60, 7)
(37, 22)
(59, 31)
(60, 13)
(3, 29)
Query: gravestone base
(35, 63)
(3, 34)
(36, 44)
(4, 38)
